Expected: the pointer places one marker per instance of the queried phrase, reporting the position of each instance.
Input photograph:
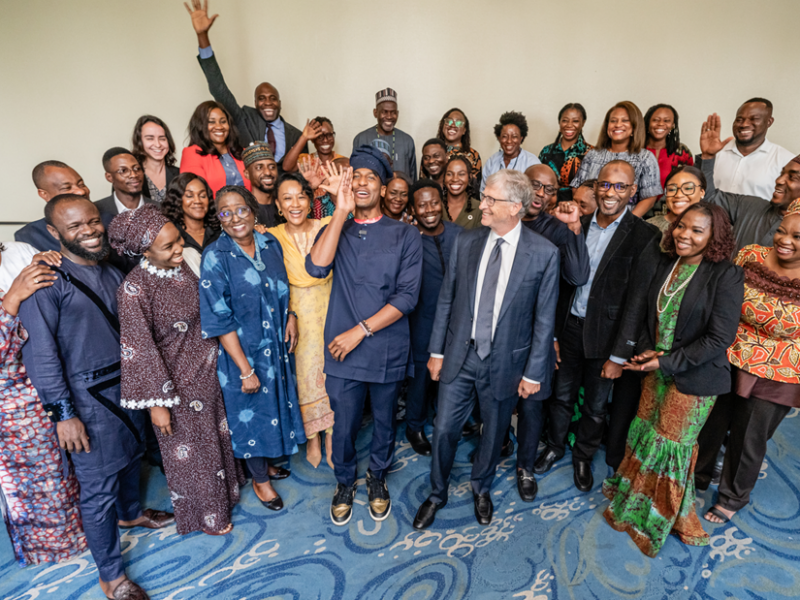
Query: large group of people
(261, 298)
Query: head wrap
(794, 208)
(255, 152)
(369, 157)
(386, 95)
(134, 231)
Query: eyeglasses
(452, 123)
(490, 201)
(687, 189)
(327, 136)
(548, 189)
(125, 171)
(607, 185)
(242, 212)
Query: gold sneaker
(380, 504)
(342, 504)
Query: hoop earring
(280, 214)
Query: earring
(280, 214)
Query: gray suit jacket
(523, 338)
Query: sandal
(717, 513)
(225, 531)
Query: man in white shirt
(492, 336)
(749, 163)
(126, 177)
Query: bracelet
(248, 376)
(366, 328)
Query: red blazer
(208, 167)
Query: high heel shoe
(314, 451)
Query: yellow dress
(308, 297)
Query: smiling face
(195, 200)
(268, 102)
(166, 252)
(510, 141)
(395, 198)
(218, 127)
(612, 203)
(751, 124)
(79, 228)
(386, 113)
(293, 202)
(154, 141)
(324, 143)
(61, 180)
(787, 185)
(263, 174)
(125, 174)
(692, 235)
(452, 131)
(503, 216)
(456, 178)
(241, 221)
(661, 123)
(786, 241)
(428, 209)
(678, 195)
(570, 125)
(620, 128)
(368, 189)
(434, 158)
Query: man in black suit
(260, 124)
(589, 321)
(492, 335)
(126, 177)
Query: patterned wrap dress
(38, 485)
(251, 297)
(308, 297)
(166, 362)
(652, 493)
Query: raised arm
(320, 260)
(310, 132)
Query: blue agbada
(251, 297)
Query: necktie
(271, 138)
(483, 328)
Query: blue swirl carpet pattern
(558, 547)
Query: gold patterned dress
(308, 297)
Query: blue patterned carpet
(559, 547)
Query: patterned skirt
(652, 493)
(41, 492)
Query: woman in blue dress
(244, 301)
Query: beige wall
(76, 74)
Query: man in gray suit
(492, 336)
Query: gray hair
(516, 187)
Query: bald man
(260, 124)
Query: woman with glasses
(214, 152)
(454, 131)
(460, 206)
(244, 301)
(154, 148)
(684, 186)
(511, 131)
(622, 137)
(664, 140)
(564, 155)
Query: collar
(368, 221)
(766, 147)
(277, 124)
(227, 244)
(122, 208)
(511, 238)
(613, 225)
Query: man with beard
(262, 171)
(262, 123)
(126, 177)
(589, 320)
(73, 360)
(434, 160)
(748, 163)
(398, 144)
(437, 237)
(376, 278)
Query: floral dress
(652, 493)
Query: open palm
(200, 19)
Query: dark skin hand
(161, 418)
(645, 362)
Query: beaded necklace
(663, 292)
(162, 273)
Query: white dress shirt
(751, 175)
(121, 208)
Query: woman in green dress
(684, 318)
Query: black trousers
(711, 438)
(753, 423)
(624, 405)
(529, 429)
(575, 371)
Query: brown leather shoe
(154, 519)
(128, 590)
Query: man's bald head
(268, 101)
(53, 177)
(545, 189)
(618, 165)
(541, 173)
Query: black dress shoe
(281, 473)
(583, 475)
(526, 485)
(470, 429)
(419, 442)
(545, 461)
(483, 508)
(426, 514)
(508, 449)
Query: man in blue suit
(492, 336)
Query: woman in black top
(189, 204)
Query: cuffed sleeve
(205, 53)
(406, 291)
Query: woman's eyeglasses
(687, 189)
(242, 212)
(452, 123)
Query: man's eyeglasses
(242, 212)
(490, 201)
(607, 185)
(687, 189)
(125, 171)
(548, 189)
(452, 123)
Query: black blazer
(252, 126)
(172, 173)
(631, 243)
(706, 326)
(523, 337)
(109, 207)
